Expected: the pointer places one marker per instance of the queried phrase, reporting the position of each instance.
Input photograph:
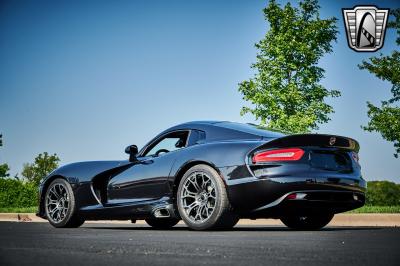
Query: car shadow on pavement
(235, 229)
(261, 228)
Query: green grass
(377, 209)
(365, 209)
(19, 210)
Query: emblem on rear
(332, 141)
(365, 27)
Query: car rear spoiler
(316, 140)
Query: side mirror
(132, 150)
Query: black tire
(310, 222)
(162, 223)
(71, 218)
(222, 216)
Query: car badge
(365, 27)
(332, 141)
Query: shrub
(383, 193)
(15, 193)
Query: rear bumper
(257, 198)
(315, 202)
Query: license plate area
(331, 161)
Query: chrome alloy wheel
(57, 203)
(198, 197)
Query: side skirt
(159, 208)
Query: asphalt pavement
(120, 244)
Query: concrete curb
(354, 219)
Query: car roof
(226, 130)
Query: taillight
(295, 196)
(291, 154)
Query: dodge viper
(210, 174)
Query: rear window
(251, 129)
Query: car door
(147, 178)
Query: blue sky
(84, 79)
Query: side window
(202, 137)
(171, 142)
(196, 137)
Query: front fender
(77, 174)
(85, 171)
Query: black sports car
(210, 174)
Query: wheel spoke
(204, 211)
(51, 202)
(191, 207)
(198, 213)
(203, 182)
(64, 212)
(54, 192)
(195, 184)
(54, 214)
(208, 210)
(189, 194)
(51, 212)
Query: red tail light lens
(291, 154)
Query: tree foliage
(285, 92)
(24, 193)
(386, 118)
(4, 170)
(44, 164)
(383, 193)
(3, 167)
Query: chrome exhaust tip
(161, 213)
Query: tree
(4, 168)
(44, 164)
(383, 193)
(386, 118)
(285, 91)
